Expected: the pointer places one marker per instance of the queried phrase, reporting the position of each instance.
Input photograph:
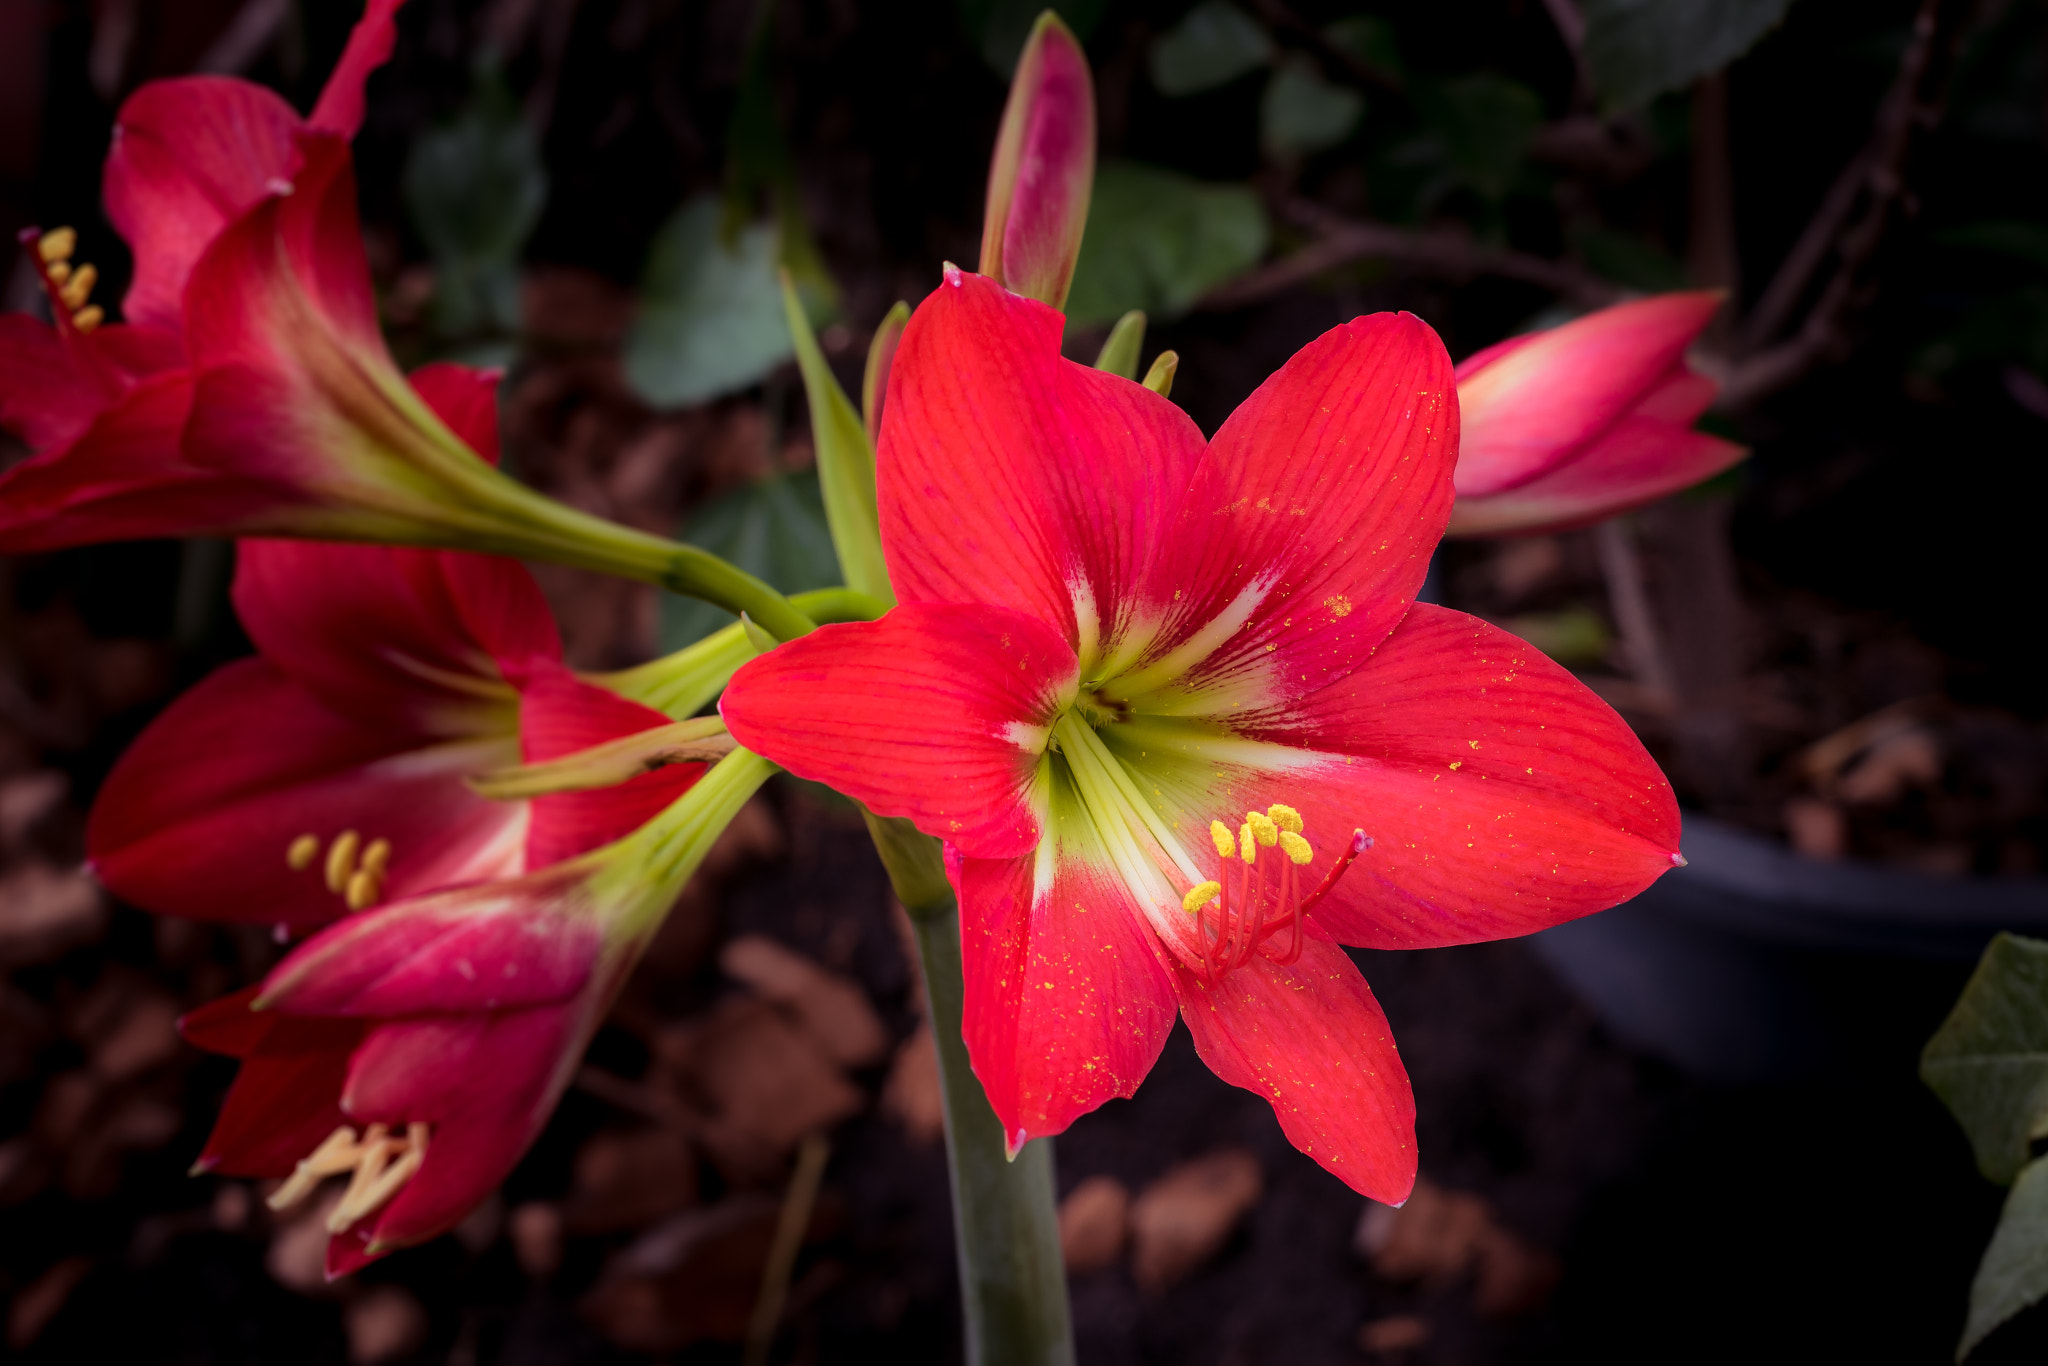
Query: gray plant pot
(1755, 963)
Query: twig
(1282, 16)
(789, 1240)
(1340, 241)
(1630, 599)
(1879, 183)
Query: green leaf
(474, 188)
(1158, 240)
(1627, 259)
(775, 529)
(1303, 113)
(846, 463)
(1636, 50)
(1483, 126)
(1573, 637)
(2014, 1272)
(1213, 45)
(1989, 1060)
(710, 315)
(1370, 42)
(999, 27)
(1120, 350)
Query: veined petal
(1009, 475)
(1067, 1002)
(1636, 461)
(1530, 405)
(189, 156)
(1501, 795)
(197, 817)
(1311, 1039)
(560, 714)
(936, 713)
(1309, 527)
(493, 946)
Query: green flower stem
(681, 683)
(1013, 1282)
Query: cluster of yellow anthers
(380, 1163)
(70, 286)
(360, 883)
(1276, 825)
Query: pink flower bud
(1044, 168)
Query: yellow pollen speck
(1286, 817)
(1340, 606)
(341, 859)
(1200, 896)
(1225, 846)
(362, 889)
(1457, 763)
(57, 245)
(1247, 843)
(377, 858)
(1266, 830)
(298, 855)
(1296, 847)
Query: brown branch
(1875, 178)
(1340, 241)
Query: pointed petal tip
(953, 275)
(205, 1164)
(1678, 860)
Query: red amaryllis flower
(1173, 708)
(327, 773)
(103, 407)
(1566, 427)
(418, 1048)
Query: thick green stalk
(1013, 1282)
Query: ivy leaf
(710, 318)
(2014, 1272)
(1989, 1060)
(1303, 113)
(1157, 240)
(1212, 45)
(1636, 50)
(774, 529)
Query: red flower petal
(1314, 517)
(340, 109)
(1502, 796)
(1311, 1039)
(934, 713)
(466, 398)
(1067, 1004)
(196, 817)
(560, 714)
(46, 397)
(1529, 406)
(1637, 461)
(492, 946)
(286, 1097)
(189, 156)
(1007, 473)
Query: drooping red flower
(1570, 426)
(1183, 728)
(418, 1048)
(103, 408)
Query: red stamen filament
(1232, 940)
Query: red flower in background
(1155, 693)
(103, 407)
(1570, 426)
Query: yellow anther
(1247, 843)
(377, 858)
(298, 855)
(363, 889)
(1225, 846)
(78, 288)
(1286, 817)
(1295, 847)
(341, 860)
(57, 245)
(1268, 833)
(337, 1153)
(1200, 896)
(89, 317)
(58, 271)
